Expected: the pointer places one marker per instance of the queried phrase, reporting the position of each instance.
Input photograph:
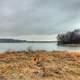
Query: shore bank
(40, 65)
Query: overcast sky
(38, 17)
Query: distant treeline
(22, 41)
(11, 41)
(72, 37)
(41, 41)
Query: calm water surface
(35, 46)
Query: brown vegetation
(40, 65)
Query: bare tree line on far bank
(71, 37)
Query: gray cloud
(23, 17)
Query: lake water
(35, 46)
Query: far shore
(41, 41)
(71, 45)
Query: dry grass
(40, 65)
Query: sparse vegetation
(42, 65)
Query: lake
(35, 46)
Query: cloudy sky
(38, 17)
